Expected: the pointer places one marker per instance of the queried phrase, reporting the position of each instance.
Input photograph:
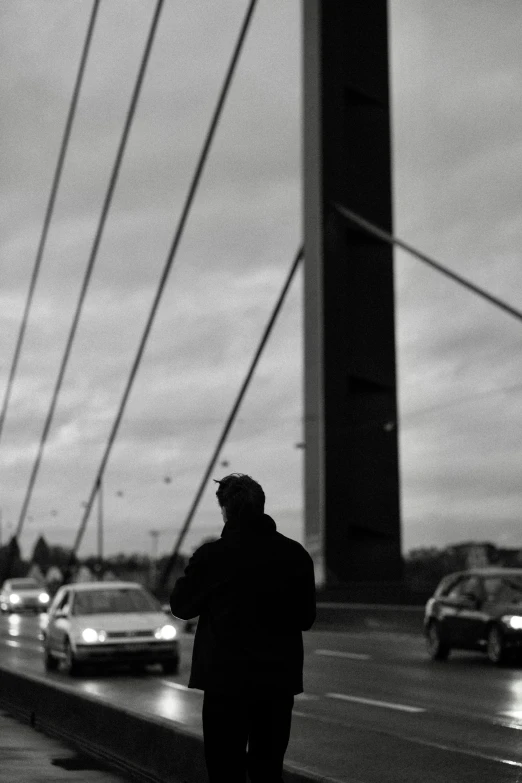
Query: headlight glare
(166, 633)
(513, 621)
(43, 598)
(14, 599)
(89, 635)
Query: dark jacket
(254, 592)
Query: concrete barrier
(153, 750)
(146, 748)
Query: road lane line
(179, 687)
(376, 703)
(415, 740)
(22, 645)
(338, 654)
(317, 773)
(513, 714)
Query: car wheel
(71, 665)
(50, 662)
(437, 649)
(170, 667)
(496, 646)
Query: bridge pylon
(352, 501)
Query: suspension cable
(92, 259)
(230, 421)
(49, 213)
(166, 270)
(380, 233)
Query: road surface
(375, 710)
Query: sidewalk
(27, 756)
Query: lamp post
(154, 534)
(100, 521)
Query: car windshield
(23, 584)
(114, 600)
(510, 588)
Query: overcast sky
(457, 147)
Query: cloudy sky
(457, 138)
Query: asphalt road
(375, 710)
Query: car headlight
(513, 621)
(166, 633)
(43, 598)
(14, 599)
(91, 636)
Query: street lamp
(154, 534)
(100, 521)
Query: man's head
(240, 497)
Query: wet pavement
(27, 756)
(375, 708)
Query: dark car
(477, 609)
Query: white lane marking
(376, 703)
(514, 714)
(179, 687)
(338, 654)
(307, 771)
(23, 645)
(415, 740)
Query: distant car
(22, 595)
(477, 609)
(108, 623)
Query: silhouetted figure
(254, 592)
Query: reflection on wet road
(375, 708)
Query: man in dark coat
(254, 593)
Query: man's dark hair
(240, 496)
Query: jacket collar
(252, 526)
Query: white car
(21, 595)
(108, 623)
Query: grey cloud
(456, 86)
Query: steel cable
(166, 270)
(49, 213)
(385, 236)
(230, 421)
(92, 259)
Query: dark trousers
(231, 722)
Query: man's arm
(191, 591)
(308, 608)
